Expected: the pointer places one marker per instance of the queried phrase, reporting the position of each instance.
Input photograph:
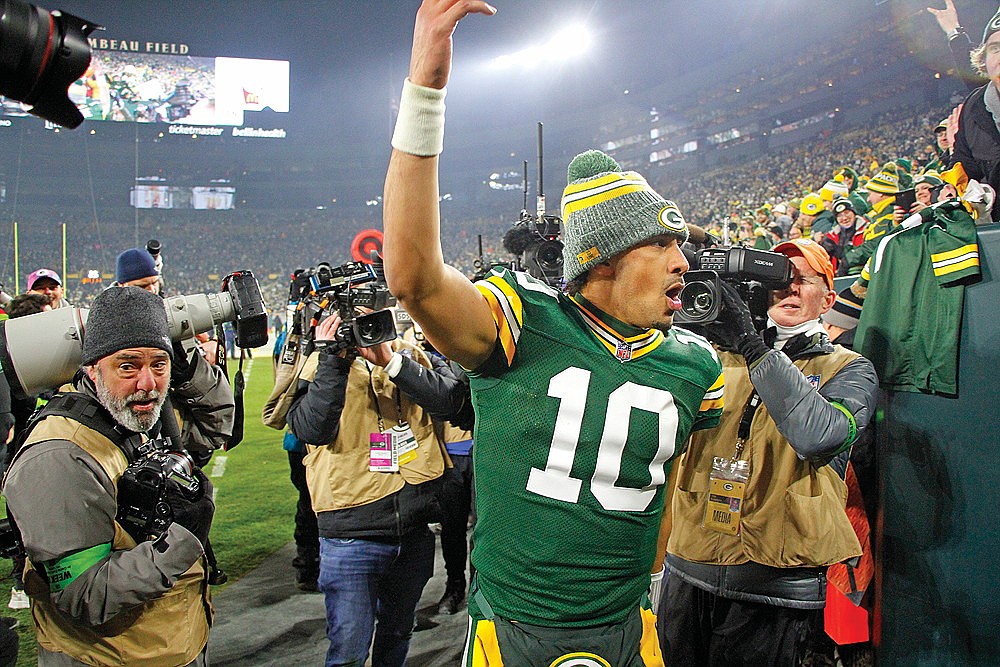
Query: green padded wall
(938, 462)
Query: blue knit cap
(133, 264)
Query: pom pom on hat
(590, 164)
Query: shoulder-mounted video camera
(535, 243)
(324, 289)
(145, 485)
(753, 272)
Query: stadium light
(568, 43)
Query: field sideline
(255, 501)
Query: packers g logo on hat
(580, 660)
(670, 217)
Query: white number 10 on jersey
(571, 387)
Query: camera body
(535, 241)
(10, 539)
(753, 272)
(144, 486)
(325, 288)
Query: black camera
(41, 54)
(345, 288)
(535, 242)
(10, 539)
(753, 272)
(143, 489)
(250, 313)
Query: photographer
(376, 552)
(200, 393)
(99, 594)
(758, 504)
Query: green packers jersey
(912, 315)
(575, 425)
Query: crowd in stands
(791, 172)
(200, 247)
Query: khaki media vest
(337, 473)
(793, 511)
(167, 631)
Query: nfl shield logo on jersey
(813, 380)
(624, 351)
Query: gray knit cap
(124, 317)
(606, 211)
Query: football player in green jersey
(581, 399)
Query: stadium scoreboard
(161, 83)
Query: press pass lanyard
(389, 449)
(728, 479)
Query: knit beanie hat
(843, 204)
(124, 317)
(133, 264)
(992, 26)
(834, 188)
(812, 204)
(606, 211)
(890, 180)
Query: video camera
(41, 54)
(324, 288)
(535, 241)
(43, 351)
(753, 272)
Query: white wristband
(420, 123)
(395, 364)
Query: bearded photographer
(758, 503)
(100, 595)
(199, 391)
(373, 467)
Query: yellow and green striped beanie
(606, 211)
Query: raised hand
(430, 59)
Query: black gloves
(735, 331)
(195, 515)
(181, 367)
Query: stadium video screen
(213, 197)
(161, 88)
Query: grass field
(255, 501)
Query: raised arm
(450, 310)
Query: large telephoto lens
(41, 54)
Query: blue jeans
(372, 588)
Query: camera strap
(239, 387)
(89, 412)
(378, 411)
(743, 432)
